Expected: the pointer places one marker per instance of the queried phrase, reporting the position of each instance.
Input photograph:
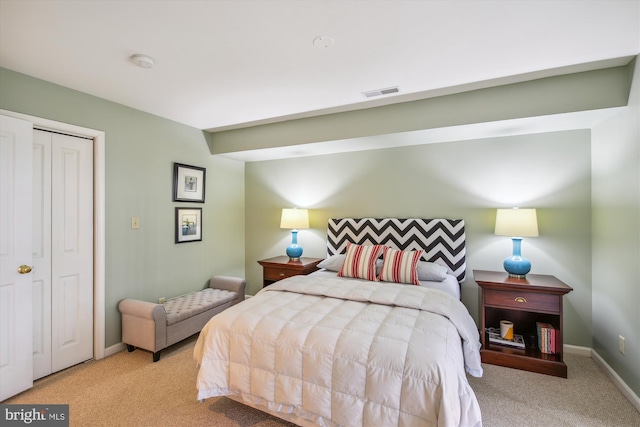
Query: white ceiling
(226, 64)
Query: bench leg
(130, 348)
(156, 356)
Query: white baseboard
(575, 349)
(617, 381)
(117, 348)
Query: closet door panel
(72, 251)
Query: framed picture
(188, 183)
(188, 225)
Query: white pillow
(431, 271)
(333, 263)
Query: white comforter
(344, 352)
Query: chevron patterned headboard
(443, 240)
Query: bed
(341, 347)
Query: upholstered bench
(154, 327)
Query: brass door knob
(24, 269)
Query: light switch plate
(135, 222)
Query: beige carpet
(127, 389)
(510, 397)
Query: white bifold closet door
(62, 236)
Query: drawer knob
(520, 299)
(281, 274)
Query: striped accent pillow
(400, 266)
(360, 261)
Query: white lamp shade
(516, 223)
(294, 218)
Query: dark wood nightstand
(537, 298)
(281, 267)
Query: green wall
(465, 179)
(140, 151)
(616, 238)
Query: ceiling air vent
(380, 92)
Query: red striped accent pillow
(360, 261)
(400, 266)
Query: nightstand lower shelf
(527, 359)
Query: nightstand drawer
(523, 300)
(281, 267)
(278, 273)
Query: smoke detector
(323, 42)
(142, 61)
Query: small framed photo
(188, 183)
(188, 225)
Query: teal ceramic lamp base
(294, 251)
(516, 265)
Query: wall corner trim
(114, 349)
(617, 381)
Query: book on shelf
(546, 338)
(496, 338)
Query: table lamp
(294, 219)
(517, 223)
